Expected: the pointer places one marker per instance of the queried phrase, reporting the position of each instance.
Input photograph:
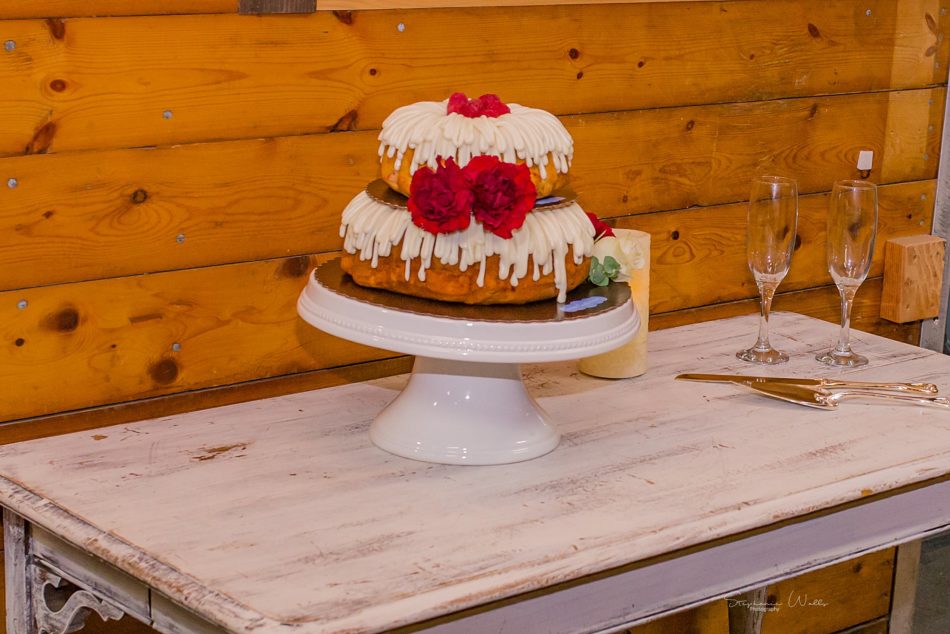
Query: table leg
(906, 570)
(16, 557)
(746, 611)
(30, 588)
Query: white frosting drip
(372, 229)
(524, 133)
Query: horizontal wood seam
(732, 302)
(179, 402)
(586, 113)
(614, 219)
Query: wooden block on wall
(913, 273)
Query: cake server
(812, 397)
(922, 388)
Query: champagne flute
(773, 220)
(852, 227)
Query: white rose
(626, 252)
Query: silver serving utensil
(923, 388)
(821, 399)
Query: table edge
(230, 613)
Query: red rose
(601, 228)
(492, 106)
(440, 201)
(504, 193)
(485, 106)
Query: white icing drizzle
(371, 229)
(524, 133)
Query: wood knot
(931, 23)
(580, 74)
(346, 122)
(373, 72)
(42, 139)
(57, 28)
(346, 17)
(139, 196)
(690, 124)
(641, 64)
(813, 111)
(48, 214)
(573, 53)
(66, 320)
(675, 235)
(164, 372)
(857, 567)
(19, 342)
(295, 267)
(813, 31)
(57, 85)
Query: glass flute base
(840, 359)
(766, 356)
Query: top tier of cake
(424, 132)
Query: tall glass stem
(766, 292)
(847, 301)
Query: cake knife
(816, 397)
(923, 388)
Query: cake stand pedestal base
(460, 412)
(465, 402)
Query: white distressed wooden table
(280, 515)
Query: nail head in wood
(913, 273)
(264, 7)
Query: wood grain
(833, 598)
(706, 619)
(116, 340)
(71, 8)
(822, 303)
(913, 278)
(269, 7)
(135, 377)
(110, 341)
(877, 626)
(123, 212)
(851, 593)
(96, 417)
(360, 5)
(349, 519)
(18, 9)
(105, 83)
(692, 248)
(907, 568)
(3, 603)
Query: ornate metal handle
(924, 388)
(833, 398)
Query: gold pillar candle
(631, 249)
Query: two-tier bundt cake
(472, 206)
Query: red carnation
(485, 106)
(601, 228)
(504, 193)
(440, 201)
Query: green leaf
(611, 267)
(597, 276)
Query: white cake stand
(465, 402)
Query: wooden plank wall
(171, 171)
